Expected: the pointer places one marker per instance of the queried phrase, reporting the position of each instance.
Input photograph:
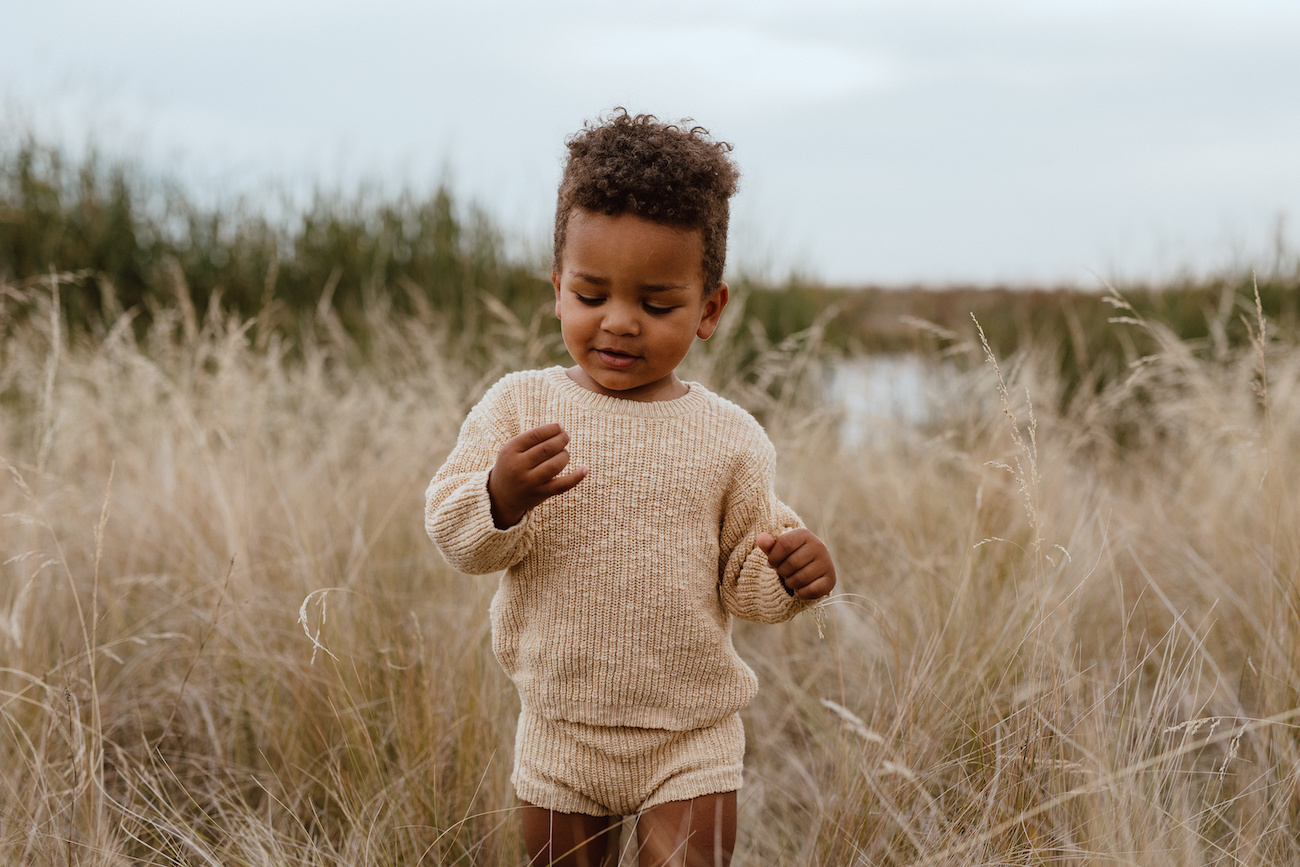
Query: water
(884, 390)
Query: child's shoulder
(503, 398)
(520, 381)
(526, 378)
(738, 423)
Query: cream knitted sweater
(617, 601)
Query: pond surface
(880, 390)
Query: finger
(817, 589)
(803, 576)
(785, 544)
(534, 437)
(549, 468)
(543, 449)
(764, 541)
(797, 560)
(566, 482)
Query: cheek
(677, 338)
(574, 321)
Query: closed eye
(589, 300)
(657, 310)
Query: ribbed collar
(696, 398)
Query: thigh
(700, 832)
(569, 839)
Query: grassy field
(1067, 630)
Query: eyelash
(596, 300)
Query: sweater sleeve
(457, 508)
(750, 588)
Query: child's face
(629, 294)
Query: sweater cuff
(762, 594)
(464, 531)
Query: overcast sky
(1050, 141)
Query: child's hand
(527, 472)
(802, 561)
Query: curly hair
(674, 175)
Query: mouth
(614, 358)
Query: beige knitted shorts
(618, 771)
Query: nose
(621, 319)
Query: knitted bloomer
(619, 770)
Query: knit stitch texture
(616, 605)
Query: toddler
(633, 514)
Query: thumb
(765, 541)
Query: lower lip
(620, 362)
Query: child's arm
(772, 567)
(458, 513)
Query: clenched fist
(802, 561)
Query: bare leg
(696, 833)
(569, 839)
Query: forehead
(633, 246)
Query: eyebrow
(597, 280)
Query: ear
(712, 310)
(555, 281)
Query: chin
(610, 383)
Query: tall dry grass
(1066, 631)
